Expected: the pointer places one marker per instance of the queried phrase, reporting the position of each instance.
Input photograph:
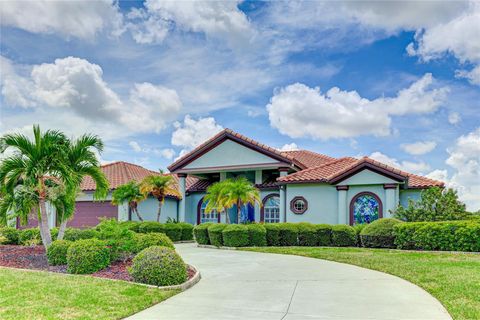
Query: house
(295, 186)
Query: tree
(233, 192)
(158, 186)
(216, 198)
(32, 164)
(80, 157)
(130, 193)
(436, 204)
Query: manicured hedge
(288, 234)
(379, 233)
(215, 234)
(57, 252)
(11, 235)
(235, 235)
(30, 237)
(257, 235)
(201, 233)
(151, 226)
(343, 236)
(173, 231)
(87, 256)
(307, 234)
(324, 234)
(187, 231)
(273, 234)
(74, 234)
(445, 236)
(358, 229)
(145, 240)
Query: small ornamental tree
(159, 186)
(129, 193)
(436, 204)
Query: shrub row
(176, 231)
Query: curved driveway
(250, 285)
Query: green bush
(159, 266)
(54, 233)
(87, 256)
(57, 252)
(187, 231)
(307, 234)
(146, 240)
(30, 237)
(257, 235)
(273, 234)
(235, 235)
(358, 229)
(201, 233)
(173, 231)
(288, 234)
(11, 235)
(343, 236)
(131, 225)
(324, 234)
(117, 237)
(445, 236)
(379, 234)
(151, 226)
(74, 234)
(215, 234)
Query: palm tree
(237, 192)
(31, 165)
(81, 159)
(216, 198)
(158, 186)
(130, 193)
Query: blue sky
(396, 81)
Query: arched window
(203, 216)
(270, 211)
(365, 207)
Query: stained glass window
(365, 209)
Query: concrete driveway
(250, 285)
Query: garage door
(32, 221)
(88, 213)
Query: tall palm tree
(235, 192)
(216, 198)
(130, 193)
(31, 165)
(158, 186)
(81, 159)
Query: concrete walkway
(250, 285)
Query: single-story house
(295, 186)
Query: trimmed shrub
(131, 225)
(235, 235)
(146, 240)
(201, 233)
(11, 235)
(324, 235)
(187, 231)
(307, 234)
(173, 231)
(379, 234)
(57, 252)
(343, 236)
(257, 235)
(215, 234)
(29, 237)
(74, 234)
(288, 234)
(158, 266)
(3, 240)
(273, 234)
(87, 256)
(54, 233)
(151, 226)
(117, 237)
(358, 229)
(404, 234)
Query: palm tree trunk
(227, 216)
(159, 212)
(43, 224)
(239, 212)
(61, 230)
(134, 208)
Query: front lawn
(452, 278)
(43, 295)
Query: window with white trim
(211, 216)
(271, 210)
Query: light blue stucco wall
(413, 194)
(322, 203)
(229, 153)
(365, 177)
(191, 206)
(149, 207)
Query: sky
(396, 81)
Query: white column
(390, 202)
(223, 176)
(123, 212)
(283, 196)
(181, 207)
(343, 212)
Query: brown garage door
(87, 213)
(32, 221)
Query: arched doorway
(203, 216)
(270, 211)
(365, 207)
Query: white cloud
(166, 153)
(289, 147)
(80, 19)
(135, 146)
(300, 111)
(418, 148)
(193, 132)
(15, 88)
(473, 76)
(409, 166)
(454, 118)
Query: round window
(298, 205)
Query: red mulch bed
(34, 257)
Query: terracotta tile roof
(119, 173)
(199, 185)
(335, 169)
(309, 158)
(228, 133)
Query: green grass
(42, 295)
(452, 278)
